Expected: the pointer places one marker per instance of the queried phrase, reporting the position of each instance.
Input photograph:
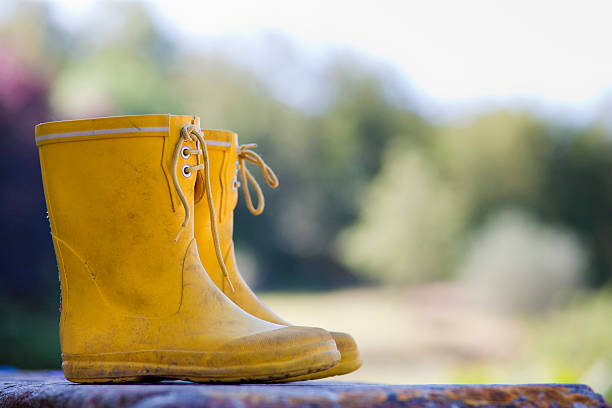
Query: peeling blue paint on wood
(50, 389)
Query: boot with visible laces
(136, 301)
(227, 160)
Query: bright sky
(453, 53)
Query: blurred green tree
(578, 193)
(479, 167)
(428, 200)
(411, 222)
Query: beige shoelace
(193, 134)
(245, 155)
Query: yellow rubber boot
(227, 160)
(136, 301)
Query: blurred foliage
(371, 192)
(430, 201)
(570, 344)
(411, 222)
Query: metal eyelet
(186, 170)
(183, 152)
(235, 184)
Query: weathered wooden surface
(50, 389)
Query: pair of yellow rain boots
(141, 214)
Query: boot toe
(287, 351)
(349, 362)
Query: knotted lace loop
(246, 155)
(192, 133)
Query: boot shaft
(222, 146)
(111, 202)
(222, 149)
(224, 153)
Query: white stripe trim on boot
(102, 132)
(86, 133)
(216, 143)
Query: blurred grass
(438, 334)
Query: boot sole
(134, 367)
